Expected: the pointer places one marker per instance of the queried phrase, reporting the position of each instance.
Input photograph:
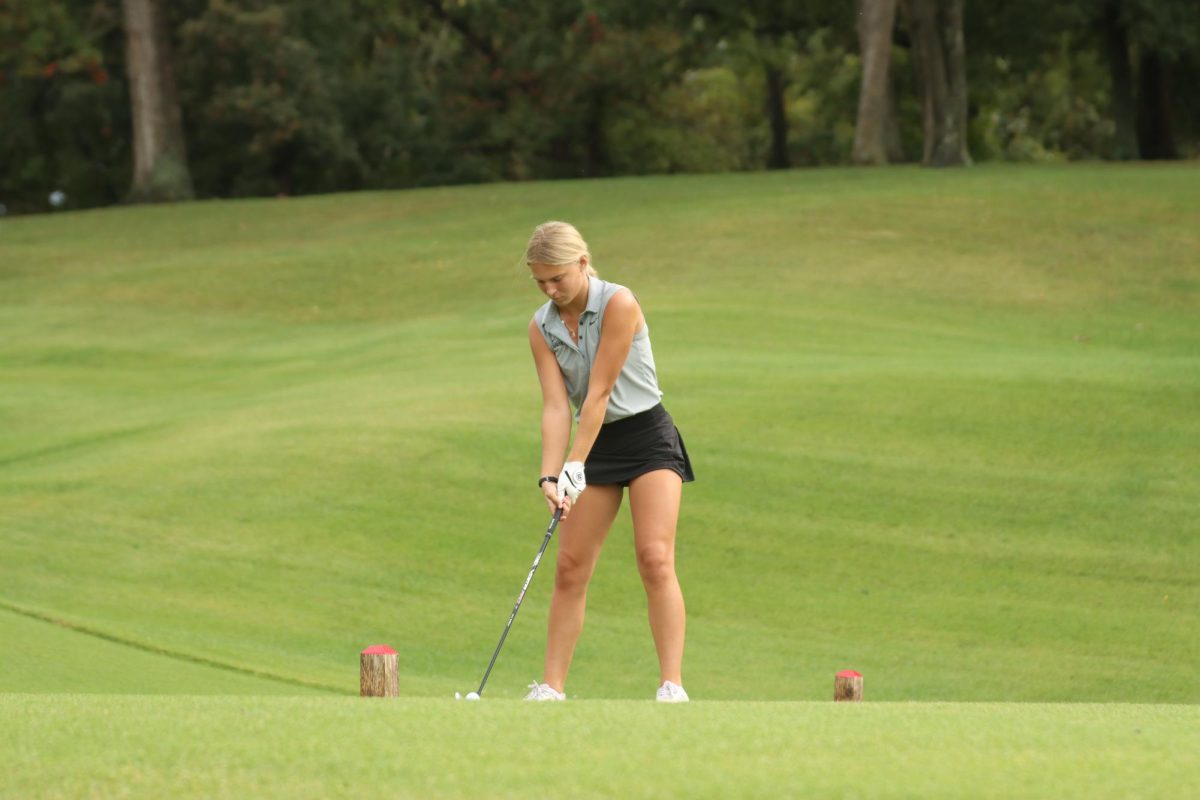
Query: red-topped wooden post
(848, 686)
(379, 672)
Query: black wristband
(544, 478)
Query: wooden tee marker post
(848, 686)
(378, 672)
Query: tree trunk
(1116, 45)
(597, 147)
(939, 55)
(956, 73)
(931, 72)
(1154, 108)
(160, 169)
(875, 21)
(891, 127)
(777, 114)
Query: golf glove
(571, 482)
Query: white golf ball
(458, 695)
(57, 198)
(473, 696)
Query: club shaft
(517, 607)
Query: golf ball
(473, 696)
(458, 695)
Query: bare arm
(556, 408)
(622, 319)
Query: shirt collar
(595, 299)
(595, 290)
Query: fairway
(197, 748)
(944, 425)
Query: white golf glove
(571, 482)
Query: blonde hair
(557, 244)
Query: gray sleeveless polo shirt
(636, 389)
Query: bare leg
(654, 501)
(582, 536)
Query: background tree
(160, 168)
(1165, 38)
(552, 88)
(63, 109)
(772, 31)
(1123, 103)
(262, 109)
(875, 119)
(939, 56)
(1038, 92)
(307, 96)
(1073, 86)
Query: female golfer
(591, 346)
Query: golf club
(537, 560)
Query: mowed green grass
(945, 426)
(186, 747)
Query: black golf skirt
(633, 446)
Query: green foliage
(63, 106)
(260, 114)
(309, 96)
(1171, 27)
(1044, 91)
(1054, 111)
(822, 100)
(706, 122)
(550, 89)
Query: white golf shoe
(671, 693)
(544, 691)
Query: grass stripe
(158, 650)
